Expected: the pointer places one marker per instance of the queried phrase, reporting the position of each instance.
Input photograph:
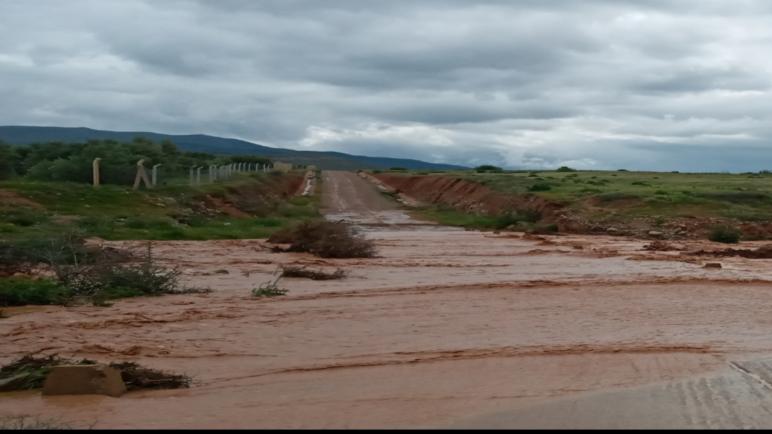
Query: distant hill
(24, 135)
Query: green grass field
(168, 212)
(609, 198)
(746, 197)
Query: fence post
(198, 175)
(95, 171)
(155, 174)
(141, 175)
(192, 180)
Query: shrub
(504, 221)
(68, 248)
(724, 234)
(137, 377)
(615, 197)
(18, 291)
(551, 228)
(106, 279)
(270, 288)
(740, 197)
(325, 239)
(23, 217)
(541, 186)
(530, 215)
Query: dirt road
(445, 328)
(346, 196)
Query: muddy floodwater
(445, 328)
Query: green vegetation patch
(21, 291)
(725, 234)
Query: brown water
(446, 327)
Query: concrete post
(198, 175)
(212, 175)
(192, 180)
(95, 171)
(155, 174)
(141, 175)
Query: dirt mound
(226, 208)
(10, 198)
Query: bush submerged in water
(325, 239)
(724, 234)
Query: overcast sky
(664, 85)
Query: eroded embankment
(251, 198)
(472, 197)
(586, 215)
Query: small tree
(488, 168)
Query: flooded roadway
(445, 328)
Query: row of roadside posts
(215, 172)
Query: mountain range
(25, 135)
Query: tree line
(57, 161)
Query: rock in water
(84, 380)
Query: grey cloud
(600, 83)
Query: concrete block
(84, 380)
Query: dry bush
(270, 288)
(306, 273)
(137, 377)
(325, 239)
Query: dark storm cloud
(596, 84)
